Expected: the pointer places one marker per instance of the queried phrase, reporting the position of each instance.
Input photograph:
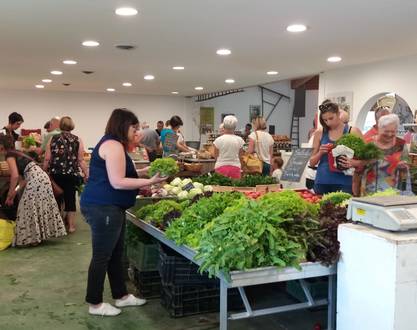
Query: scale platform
(394, 213)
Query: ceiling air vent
(125, 47)
(87, 72)
(66, 84)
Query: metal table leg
(331, 308)
(223, 305)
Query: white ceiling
(36, 35)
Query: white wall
(239, 105)
(281, 117)
(365, 81)
(90, 111)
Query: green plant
(164, 166)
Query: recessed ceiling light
(174, 93)
(223, 52)
(296, 28)
(39, 86)
(229, 81)
(178, 68)
(334, 59)
(110, 90)
(126, 11)
(127, 84)
(69, 62)
(272, 73)
(47, 81)
(199, 88)
(149, 77)
(56, 72)
(90, 43)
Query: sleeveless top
(99, 191)
(64, 154)
(324, 174)
(21, 161)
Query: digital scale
(394, 213)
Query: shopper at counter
(38, 216)
(64, 157)
(261, 143)
(228, 149)
(110, 190)
(392, 170)
(170, 139)
(159, 127)
(324, 138)
(53, 130)
(149, 139)
(379, 112)
(15, 121)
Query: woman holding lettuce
(111, 189)
(391, 170)
(324, 139)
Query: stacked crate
(187, 292)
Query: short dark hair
(14, 117)
(118, 124)
(6, 141)
(47, 125)
(160, 122)
(175, 121)
(278, 162)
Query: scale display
(394, 213)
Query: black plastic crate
(182, 301)
(177, 270)
(147, 283)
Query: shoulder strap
(257, 143)
(21, 154)
(350, 128)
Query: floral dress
(383, 173)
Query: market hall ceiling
(37, 35)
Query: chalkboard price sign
(294, 169)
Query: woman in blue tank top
(332, 129)
(111, 189)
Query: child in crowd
(277, 163)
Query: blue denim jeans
(107, 224)
(322, 189)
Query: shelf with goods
(254, 276)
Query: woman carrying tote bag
(261, 143)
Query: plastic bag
(6, 233)
(335, 154)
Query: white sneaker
(104, 310)
(131, 300)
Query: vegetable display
(164, 166)
(335, 198)
(185, 189)
(248, 180)
(247, 236)
(187, 229)
(155, 213)
(362, 150)
(235, 231)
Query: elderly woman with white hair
(228, 149)
(390, 171)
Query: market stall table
(207, 164)
(242, 279)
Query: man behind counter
(15, 121)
